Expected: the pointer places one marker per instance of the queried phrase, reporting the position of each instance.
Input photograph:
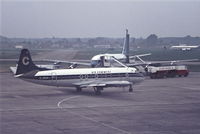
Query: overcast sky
(48, 18)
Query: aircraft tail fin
(125, 50)
(25, 63)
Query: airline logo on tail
(25, 61)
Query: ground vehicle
(167, 71)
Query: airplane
(123, 56)
(98, 78)
(184, 47)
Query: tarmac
(156, 106)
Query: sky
(99, 18)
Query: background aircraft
(106, 58)
(184, 47)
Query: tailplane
(25, 63)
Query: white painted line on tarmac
(85, 117)
(101, 123)
(66, 99)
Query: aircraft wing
(146, 63)
(67, 62)
(140, 55)
(171, 62)
(103, 84)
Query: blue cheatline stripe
(88, 76)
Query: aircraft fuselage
(76, 77)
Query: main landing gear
(97, 90)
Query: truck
(167, 71)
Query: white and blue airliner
(98, 78)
